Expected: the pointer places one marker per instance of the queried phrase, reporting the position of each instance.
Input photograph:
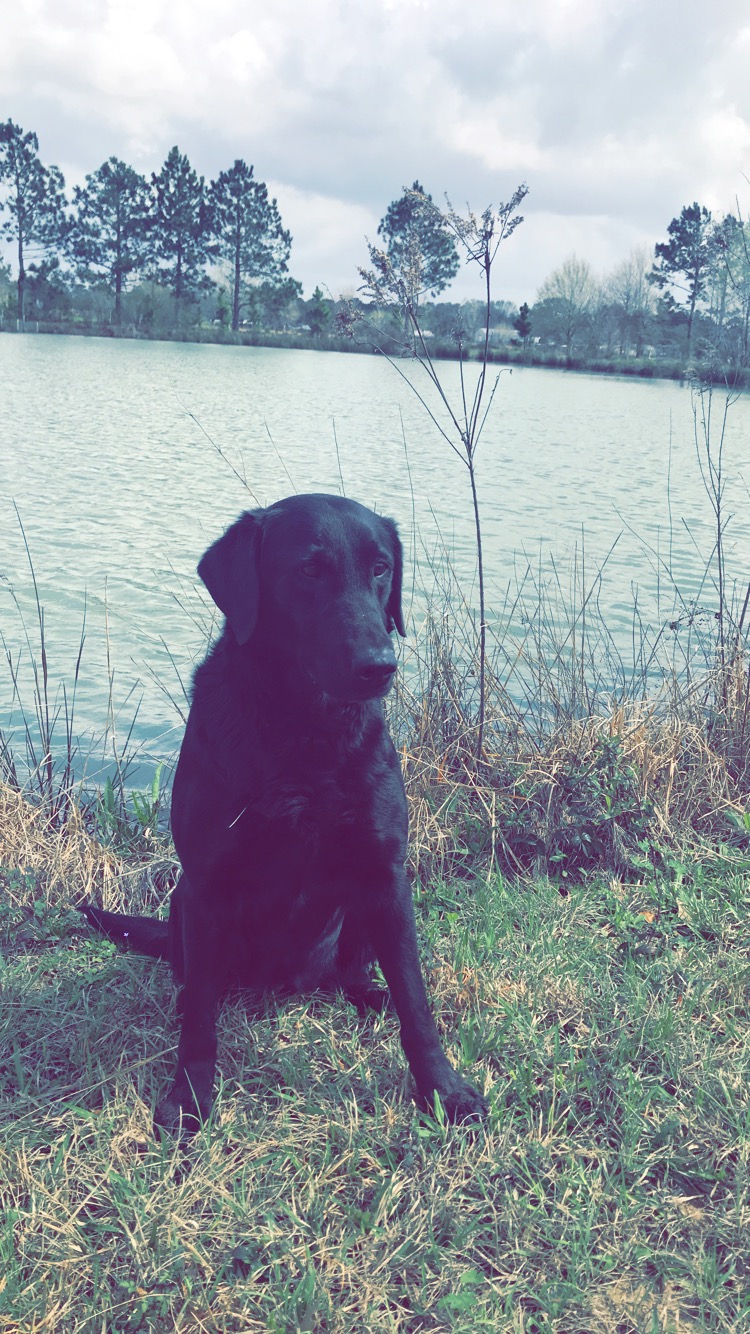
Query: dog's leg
(190, 1097)
(354, 961)
(393, 933)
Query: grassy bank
(583, 898)
(607, 1022)
(200, 334)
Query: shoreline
(628, 368)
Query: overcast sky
(615, 113)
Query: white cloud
(616, 115)
(240, 56)
(315, 219)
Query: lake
(125, 460)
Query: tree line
(120, 228)
(173, 252)
(689, 299)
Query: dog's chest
(315, 813)
(310, 790)
(321, 802)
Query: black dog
(288, 809)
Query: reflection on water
(112, 453)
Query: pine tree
(684, 261)
(522, 325)
(247, 227)
(317, 312)
(419, 244)
(109, 234)
(34, 196)
(180, 235)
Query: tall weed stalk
(731, 680)
(479, 238)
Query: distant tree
(684, 262)
(442, 318)
(459, 321)
(630, 295)
(522, 325)
(6, 289)
(419, 245)
(181, 242)
(473, 316)
(150, 307)
(566, 302)
(223, 310)
(248, 231)
(34, 196)
(48, 295)
(109, 232)
(731, 288)
(274, 305)
(503, 312)
(317, 312)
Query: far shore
(644, 368)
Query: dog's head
(313, 583)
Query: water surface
(122, 459)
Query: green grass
(608, 1026)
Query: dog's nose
(377, 671)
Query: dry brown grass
(69, 865)
(673, 772)
(64, 858)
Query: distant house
(499, 333)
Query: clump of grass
(55, 861)
(728, 711)
(585, 767)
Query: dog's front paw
(179, 1118)
(462, 1103)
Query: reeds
(47, 719)
(589, 763)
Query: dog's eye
(380, 568)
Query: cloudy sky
(615, 113)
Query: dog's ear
(229, 569)
(393, 606)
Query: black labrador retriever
(288, 808)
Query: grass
(607, 1021)
(586, 768)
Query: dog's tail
(145, 935)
